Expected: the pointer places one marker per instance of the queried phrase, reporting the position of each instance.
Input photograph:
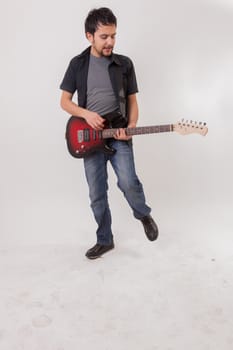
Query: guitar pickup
(80, 136)
(83, 135)
(86, 135)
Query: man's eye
(104, 37)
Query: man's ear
(89, 37)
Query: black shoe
(98, 250)
(150, 227)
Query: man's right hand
(94, 120)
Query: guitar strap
(121, 94)
(122, 102)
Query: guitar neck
(107, 133)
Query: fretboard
(107, 133)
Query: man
(106, 86)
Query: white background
(183, 54)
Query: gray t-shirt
(100, 95)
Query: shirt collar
(114, 58)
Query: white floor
(172, 294)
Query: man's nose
(110, 41)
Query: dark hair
(95, 17)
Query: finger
(123, 134)
(95, 126)
(116, 134)
(100, 120)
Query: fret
(107, 133)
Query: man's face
(103, 40)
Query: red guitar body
(82, 140)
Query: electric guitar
(83, 140)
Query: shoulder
(80, 58)
(124, 60)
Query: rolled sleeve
(69, 81)
(132, 86)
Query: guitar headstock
(190, 127)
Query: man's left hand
(121, 135)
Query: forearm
(92, 118)
(72, 108)
(132, 111)
(132, 118)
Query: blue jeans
(122, 162)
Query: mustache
(108, 47)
